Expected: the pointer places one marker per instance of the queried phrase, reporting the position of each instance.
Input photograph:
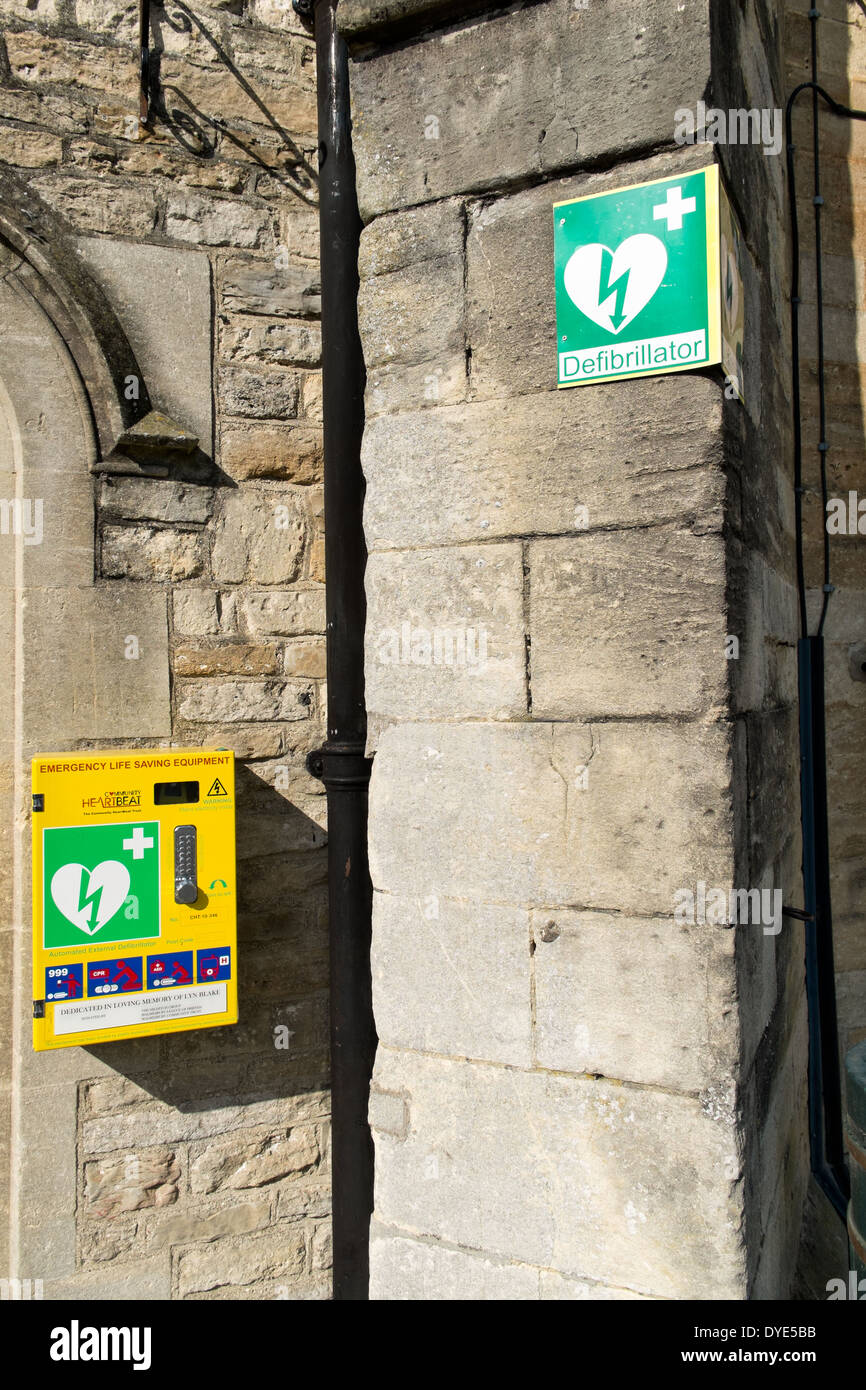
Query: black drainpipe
(826, 1141)
(341, 763)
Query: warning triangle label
(217, 788)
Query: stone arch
(41, 259)
(61, 652)
(37, 254)
(47, 445)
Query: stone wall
(842, 71)
(201, 1157)
(575, 1095)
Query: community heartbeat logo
(612, 287)
(88, 898)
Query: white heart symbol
(107, 888)
(613, 295)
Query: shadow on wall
(190, 1135)
(767, 50)
(196, 131)
(279, 1047)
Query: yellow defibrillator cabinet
(134, 894)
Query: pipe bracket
(340, 765)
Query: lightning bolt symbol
(619, 287)
(92, 899)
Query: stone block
(288, 98)
(109, 1095)
(297, 828)
(403, 1269)
(44, 1219)
(444, 633)
(273, 880)
(146, 1279)
(311, 394)
(101, 205)
(299, 225)
(130, 1182)
(151, 553)
(259, 537)
(210, 701)
(273, 342)
(207, 221)
(228, 659)
(286, 613)
(184, 1227)
(306, 659)
(262, 395)
(580, 1176)
(245, 740)
(452, 977)
(627, 623)
(286, 451)
(94, 690)
(551, 464)
(155, 499)
(143, 1126)
(614, 816)
(29, 149)
(162, 297)
(553, 1286)
(260, 287)
(38, 59)
(413, 237)
(204, 612)
(539, 90)
(322, 1247)
(63, 112)
(278, 1253)
(846, 614)
(252, 1160)
(276, 14)
(391, 386)
(413, 357)
(45, 11)
(850, 993)
(642, 1000)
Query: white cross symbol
(138, 843)
(673, 209)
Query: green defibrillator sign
(648, 281)
(101, 879)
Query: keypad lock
(185, 866)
